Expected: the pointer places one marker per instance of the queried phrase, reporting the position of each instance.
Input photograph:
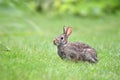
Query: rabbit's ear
(69, 31)
(64, 30)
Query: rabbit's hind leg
(90, 58)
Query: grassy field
(27, 51)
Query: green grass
(27, 51)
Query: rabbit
(74, 51)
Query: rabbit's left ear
(69, 31)
(64, 30)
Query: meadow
(27, 51)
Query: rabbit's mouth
(55, 42)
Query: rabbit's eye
(61, 38)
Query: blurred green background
(28, 27)
(72, 7)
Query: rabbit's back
(79, 47)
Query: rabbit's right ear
(69, 31)
(64, 30)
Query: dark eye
(61, 38)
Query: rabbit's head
(63, 38)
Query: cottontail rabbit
(75, 51)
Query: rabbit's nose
(54, 41)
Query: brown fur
(75, 51)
